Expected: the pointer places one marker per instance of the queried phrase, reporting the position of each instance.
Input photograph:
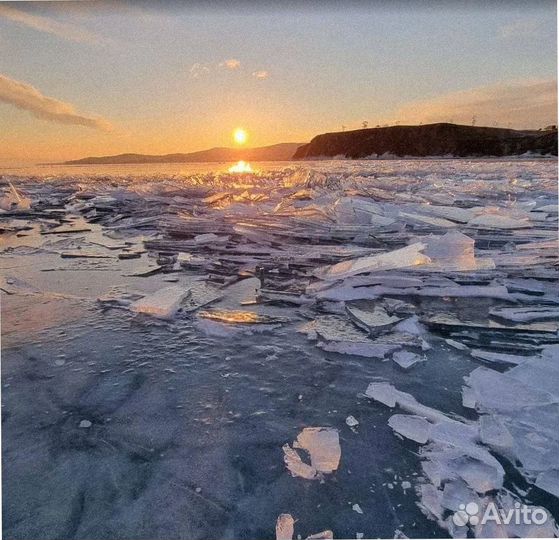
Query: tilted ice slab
(401, 258)
(356, 211)
(434, 221)
(498, 358)
(14, 200)
(453, 251)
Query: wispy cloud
(50, 26)
(28, 98)
(517, 104)
(523, 28)
(198, 70)
(231, 64)
(261, 74)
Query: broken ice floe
(520, 409)
(323, 447)
(406, 359)
(163, 303)
(336, 334)
(455, 456)
(526, 314)
(285, 526)
(375, 321)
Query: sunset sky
(82, 78)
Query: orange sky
(78, 81)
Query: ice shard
(163, 303)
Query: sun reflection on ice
(241, 167)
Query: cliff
(429, 140)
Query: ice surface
(366, 349)
(323, 535)
(452, 253)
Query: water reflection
(241, 167)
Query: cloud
(261, 74)
(525, 28)
(49, 25)
(28, 98)
(231, 64)
(527, 104)
(197, 70)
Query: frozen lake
(409, 306)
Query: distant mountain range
(276, 152)
(429, 140)
(415, 141)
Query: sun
(240, 136)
